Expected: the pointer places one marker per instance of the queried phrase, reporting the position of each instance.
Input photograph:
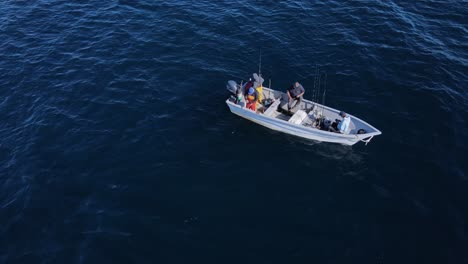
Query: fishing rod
(319, 114)
(313, 89)
(260, 65)
(314, 92)
(324, 90)
(317, 92)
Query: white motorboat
(311, 121)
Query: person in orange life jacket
(295, 93)
(251, 98)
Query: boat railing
(366, 140)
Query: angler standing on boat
(295, 93)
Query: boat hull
(292, 129)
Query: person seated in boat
(251, 98)
(341, 126)
(295, 93)
(247, 85)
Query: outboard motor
(236, 91)
(232, 87)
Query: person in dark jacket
(248, 85)
(295, 93)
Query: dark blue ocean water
(116, 145)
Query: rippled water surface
(116, 145)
